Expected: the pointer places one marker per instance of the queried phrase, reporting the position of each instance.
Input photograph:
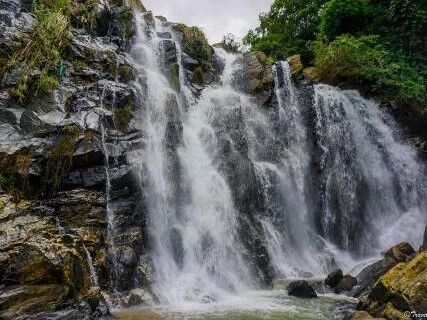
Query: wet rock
(15, 30)
(189, 63)
(258, 76)
(345, 284)
(362, 315)
(424, 245)
(334, 278)
(402, 289)
(164, 35)
(91, 48)
(40, 268)
(401, 252)
(170, 52)
(301, 289)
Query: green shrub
(345, 16)
(365, 62)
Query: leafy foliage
(378, 45)
(287, 28)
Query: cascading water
(237, 194)
(191, 214)
(372, 191)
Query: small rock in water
(334, 278)
(301, 289)
(346, 284)
(401, 252)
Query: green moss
(125, 72)
(126, 21)
(122, 117)
(60, 157)
(195, 44)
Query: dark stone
(164, 35)
(301, 289)
(370, 275)
(401, 252)
(334, 278)
(189, 63)
(346, 284)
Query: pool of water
(258, 305)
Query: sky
(215, 17)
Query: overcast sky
(215, 17)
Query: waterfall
(192, 218)
(370, 183)
(93, 275)
(237, 194)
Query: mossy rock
(195, 44)
(403, 288)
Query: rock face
(301, 289)
(258, 76)
(371, 274)
(42, 268)
(334, 278)
(56, 249)
(402, 289)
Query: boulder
(301, 289)
(370, 275)
(345, 284)
(401, 252)
(402, 289)
(258, 76)
(334, 278)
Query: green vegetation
(60, 157)
(377, 45)
(44, 49)
(14, 174)
(195, 44)
(122, 117)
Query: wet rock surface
(301, 289)
(334, 278)
(43, 265)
